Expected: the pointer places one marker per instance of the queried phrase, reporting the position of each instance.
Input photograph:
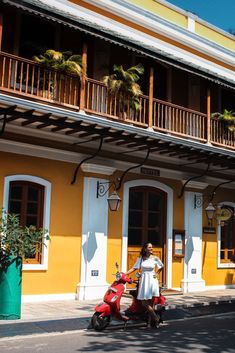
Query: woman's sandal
(155, 323)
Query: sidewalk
(72, 315)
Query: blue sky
(220, 13)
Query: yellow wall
(63, 272)
(162, 11)
(65, 222)
(180, 19)
(215, 36)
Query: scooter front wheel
(99, 322)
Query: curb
(175, 312)
(201, 304)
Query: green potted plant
(63, 62)
(16, 243)
(227, 117)
(123, 84)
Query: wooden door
(146, 222)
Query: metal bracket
(218, 186)
(86, 159)
(136, 166)
(192, 178)
(103, 187)
(3, 124)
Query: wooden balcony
(25, 78)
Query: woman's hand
(130, 271)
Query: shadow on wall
(230, 277)
(189, 246)
(90, 246)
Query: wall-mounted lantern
(114, 199)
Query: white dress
(148, 285)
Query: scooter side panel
(103, 308)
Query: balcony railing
(98, 101)
(26, 78)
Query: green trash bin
(10, 290)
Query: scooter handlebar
(122, 277)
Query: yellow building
(67, 145)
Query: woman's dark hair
(143, 251)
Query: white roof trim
(161, 26)
(147, 41)
(155, 23)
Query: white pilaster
(94, 243)
(192, 281)
(191, 23)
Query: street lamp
(114, 201)
(210, 211)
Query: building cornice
(217, 62)
(159, 25)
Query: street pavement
(205, 334)
(70, 315)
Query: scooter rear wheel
(99, 322)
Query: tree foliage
(62, 61)
(124, 83)
(17, 241)
(228, 117)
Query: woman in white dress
(149, 265)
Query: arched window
(26, 200)
(30, 197)
(227, 240)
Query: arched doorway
(146, 222)
(168, 218)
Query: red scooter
(110, 307)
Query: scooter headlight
(118, 276)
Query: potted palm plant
(123, 84)
(16, 243)
(63, 62)
(227, 117)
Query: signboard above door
(150, 171)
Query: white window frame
(46, 213)
(219, 263)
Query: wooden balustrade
(171, 118)
(221, 136)
(99, 101)
(26, 78)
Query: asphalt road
(211, 334)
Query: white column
(94, 243)
(191, 21)
(192, 281)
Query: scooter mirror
(116, 265)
